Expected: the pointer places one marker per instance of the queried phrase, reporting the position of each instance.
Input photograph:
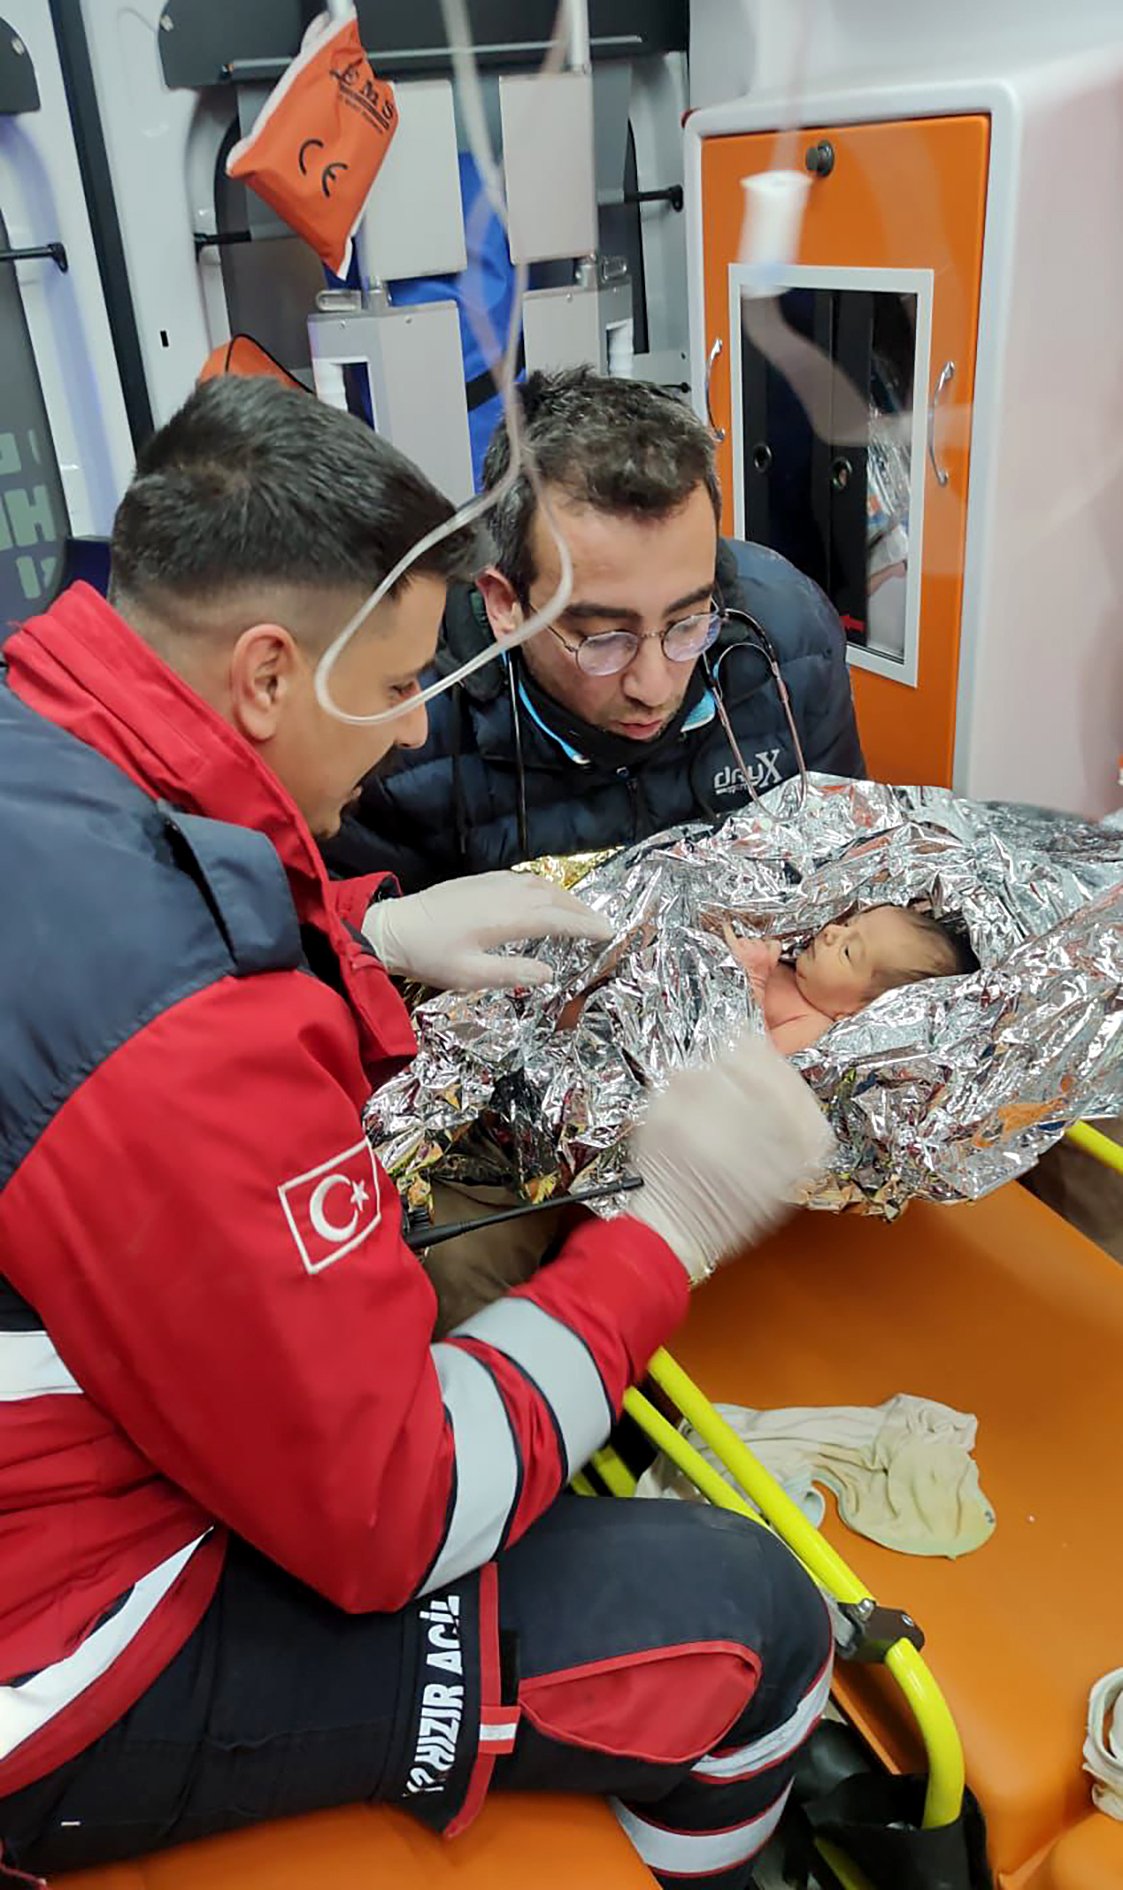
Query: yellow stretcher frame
(760, 1498)
(1096, 1144)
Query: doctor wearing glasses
(686, 673)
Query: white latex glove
(724, 1152)
(447, 936)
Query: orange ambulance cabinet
(897, 212)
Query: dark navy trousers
(670, 1656)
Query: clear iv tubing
(775, 205)
(458, 34)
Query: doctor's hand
(725, 1152)
(448, 935)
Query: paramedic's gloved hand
(724, 1152)
(447, 936)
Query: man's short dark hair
(614, 445)
(254, 482)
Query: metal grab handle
(47, 252)
(672, 195)
(718, 348)
(947, 375)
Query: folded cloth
(902, 1471)
(1103, 1748)
(663, 1479)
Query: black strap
(485, 386)
(876, 1822)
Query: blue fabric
(86, 561)
(86, 856)
(488, 282)
(234, 867)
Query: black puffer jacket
(453, 806)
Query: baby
(845, 967)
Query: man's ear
(504, 612)
(264, 667)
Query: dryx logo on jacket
(766, 774)
(331, 1209)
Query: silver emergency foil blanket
(942, 1090)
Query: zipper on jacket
(632, 785)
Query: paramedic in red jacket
(264, 1545)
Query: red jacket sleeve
(218, 1259)
(351, 897)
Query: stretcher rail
(759, 1497)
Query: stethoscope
(756, 638)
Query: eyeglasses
(608, 654)
(751, 636)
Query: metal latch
(876, 1629)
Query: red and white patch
(331, 1209)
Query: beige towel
(902, 1471)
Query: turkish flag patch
(331, 1209)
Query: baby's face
(840, 969)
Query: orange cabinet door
(907, 196)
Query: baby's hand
(757, 957)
